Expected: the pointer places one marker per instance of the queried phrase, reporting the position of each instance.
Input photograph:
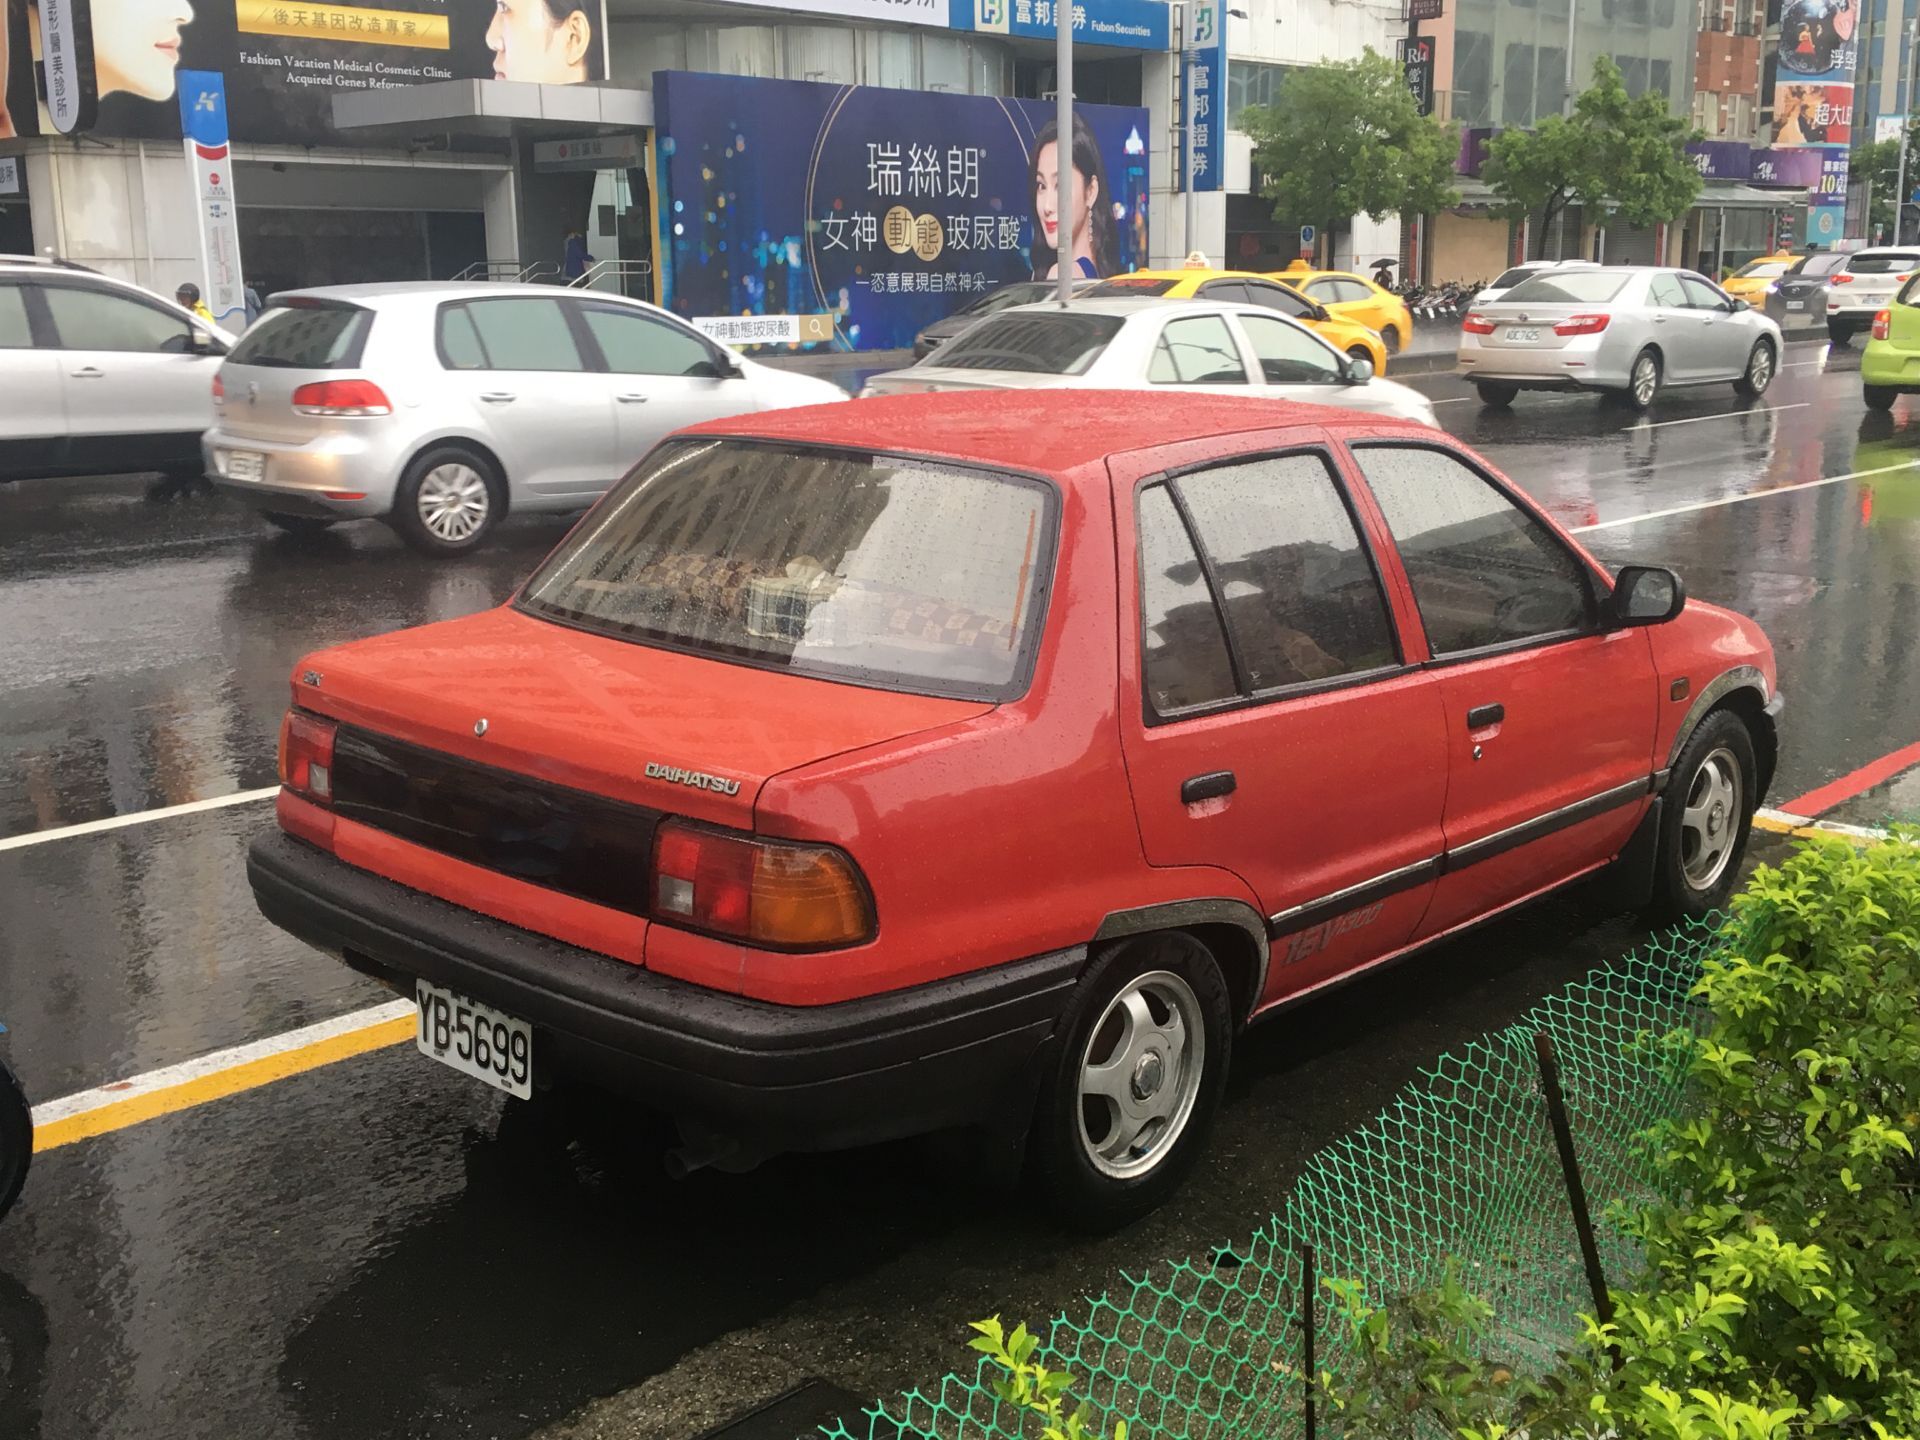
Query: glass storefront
(1510, 56)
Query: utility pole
(1063, 145)
(1906, 124)
(1189, 19)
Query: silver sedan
(1624, 330)
(1128, 344)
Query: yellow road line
(214, 1077)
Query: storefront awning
(494, 107)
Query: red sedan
(990, 761)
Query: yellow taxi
(1753, 280)
(1245, 287)
(1352, 298)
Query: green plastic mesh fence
(1462, 1164)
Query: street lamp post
(1063, 146)
(1906, 123)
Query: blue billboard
(887, 209)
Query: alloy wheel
(1645, 376)
(453, 502)
(1711, 820)
(1141, 1074)
(1760, 369)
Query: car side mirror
(1320, 312)
(203, 342)
(1359, 370)
(1736, 306)
(1646, 595)
(726, 366)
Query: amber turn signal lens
(772, 893)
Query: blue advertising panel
(1206, 95)
(1127, 24)
(886, 209)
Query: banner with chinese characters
(1124, 24)
(1206, 99)
(203, 116)
(285, 61)
(1812, 103)
(885, 209)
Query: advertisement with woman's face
(1093, 223)
(284, 63)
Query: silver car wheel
(453, 502)
(1760, 369)
(1646, 375)
(1711, 819)
(1141, 1073)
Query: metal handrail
(490, 270)
(620, 270)
(538, 272)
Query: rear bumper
(1881, 363)
(964, 1051)
(1585, 363)
(296, 476)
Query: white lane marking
(68, 1106)
(1701, 419)
(139, 817)
(1749, 495)
(1456, 400)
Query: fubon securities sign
(885, 209)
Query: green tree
(1348, 139)
(1617, 154)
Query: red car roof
(1050, 431)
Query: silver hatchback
(440, 407)
(1623, 330)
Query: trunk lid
(1903, 327)
(927, 378)
(1530, 327)
(298, 342)
(641, 726)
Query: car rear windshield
(305, 337)
(1569, 287)
(907, 574)
(1123, 285)
(1884, 264)
(1033, 342)
(1511, 278)
(1819, 265)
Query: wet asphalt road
(381, 1248)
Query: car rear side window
(1484, 572)
(15, 332)
(1184, 650)
(912, 575)
(1581, 287)
(1664, 290)
(514, 334)
(1032, 342)
(1298, 589)
(305, 337)
(1198, 350)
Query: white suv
(1864, 286)
(98, 376)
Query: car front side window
(1289, 355)
(1484, 571)
(87, 319)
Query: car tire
(16, 1138)
(1879, 397)
(1705, 820)
(1154, 1013)
(1643, 381)
(1840, 335)
(1758, 375)
(1494, 395)
(1390, 337)
(448, 499)
(297, 524)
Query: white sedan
(1127, 344)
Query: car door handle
(89, 372)
(1482, 716)
(632, 398)
(1210, 786)
(498, 397)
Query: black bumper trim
(957, 1051)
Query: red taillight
(772, 893)
(305, 806)
(306, 755)
(1477, 325)
(1843, 279)
(1882, 324)
(219, 390)
(341, 397)
(1582, 325)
